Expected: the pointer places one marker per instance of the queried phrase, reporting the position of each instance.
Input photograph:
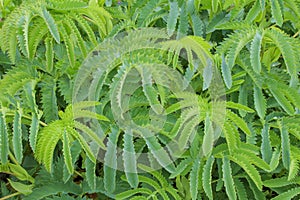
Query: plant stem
(11, 156)
(11, 195)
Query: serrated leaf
(226, 73)
(90, 173)
(4, 144)
(49, 54)
(129, 157)
(17, 136)
(266, 149)
(275, 159)
(51, 24)
(260, 103)
(172, 18)
(207, 177)
(285, 145)
(66, 152)
(253, 12)
(238, 106)
(207, 75)
(228, 180)
(183, 23)
(282, 100)
(158, 151)
(276, 12)
(239, 122)
(19, 172)
(110, 162)
(288, 194)
(20, 187)
(180, 168)
(255, 52)
(194, 176)
(248, 168)
(241, 189)
(208, 138)
(33, 130)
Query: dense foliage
(149, 99)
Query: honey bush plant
(149, 99)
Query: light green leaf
(228, 180)
(17, 136)
(67, 153)
(226, 73)
(255, 52)
(20, 187)
(172, 18)
(90, 173)
(129, 157)
(276, 12)
(260, 103)
(207, 177)
(4, 144)
(51, 24)
(110, 161)
(194, 178)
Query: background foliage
(252, 154)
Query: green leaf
(49, 100)
(129, 193)
(83, 144)
(69, 45)
(241, 189)
(49, 54)
(110, 162)
(260, 103)
(33, 130)
(197, 25)
(17, 136)
(183, 23)
(20, 187)
(275, 159)
(90, 173)
(207, 177)
(255, 52)
(284, 43)
(285, 145)
(158, 151)
(266, 148)
(180, 168)
(282, 100)
(253, 12)
(194, 178)
(249, 169)
(4, 144)
(226, 73)
(228, 180)
(207, 75)
(238, 106)
(90, 133)
(238, 121)
(172, 18)
(208, 138)
(277, 182)
(231, 137)
(67, 152)
(276, 12)
(53, 188)
(51, 24)
(288, 194)
(129, 157)
(19, 172)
